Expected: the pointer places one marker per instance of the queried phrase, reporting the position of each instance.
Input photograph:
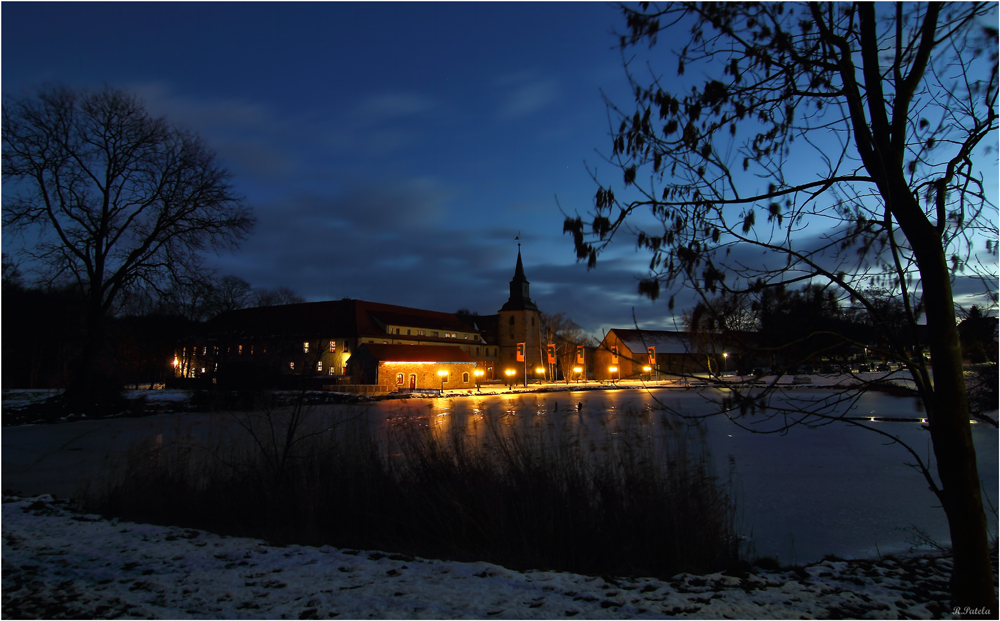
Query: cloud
(524, 94)
(393, 242)
(251, 138)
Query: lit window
(305, 347)
(466, 337)
(319, 366)
(399, 379)
(420, 332)
(333, 346)
(239, 349)
(204, 350)
(331, 370)
(291, 365)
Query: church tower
(519, 322)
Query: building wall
(519, 326)
(461, 375)
(629, 364)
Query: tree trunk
(92, 385)
(951, 434)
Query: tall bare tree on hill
(845, 143)
(119, 199)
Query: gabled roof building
(319, 340)
(651, 353)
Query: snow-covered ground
(59, 564)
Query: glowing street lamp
(725, 361)
(443, 374)
(510, 375)
(612, 369)
(479, 376)
(540, 372)
(578, 371)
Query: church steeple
(519, 298)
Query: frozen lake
(833, 490)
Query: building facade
(318, 341)
(627, 352)
(414, 367)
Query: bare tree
(119, 199)
(563, 332)
(275, 297)
(229, 293)
(843, 143)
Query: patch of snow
(162, 395)
(57, 563)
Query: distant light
(612, 369)
(539, 370)
(442, 373)
(647, 369)
(577, 369)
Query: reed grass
(631, 498)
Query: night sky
(390, 152)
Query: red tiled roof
(417, 353)
(343, 318)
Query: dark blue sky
(391, 152)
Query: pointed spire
(519, 270)
(519, 298)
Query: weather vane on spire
(517, 238)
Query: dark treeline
(808, 324)
(44, 329)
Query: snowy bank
(60, 564)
